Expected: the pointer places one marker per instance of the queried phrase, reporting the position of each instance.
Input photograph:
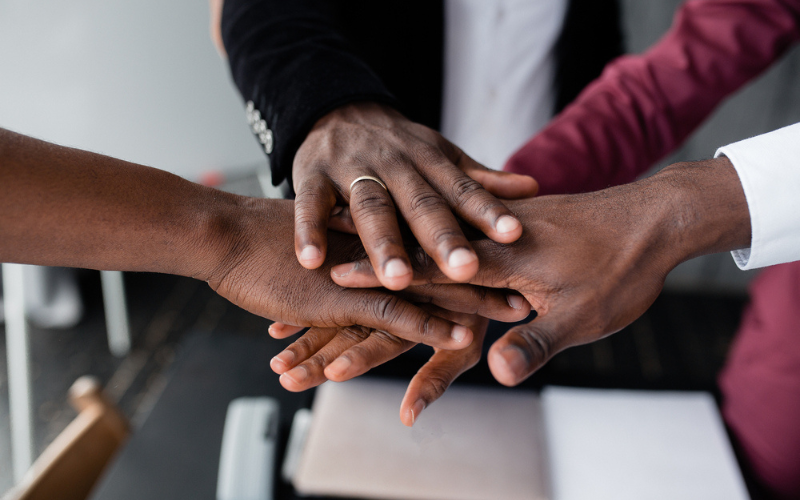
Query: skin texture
(589, 264)
(66, 207)
(429, 182)
(340, 354)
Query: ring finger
(375, 218)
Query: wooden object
(70, 466)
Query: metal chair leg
(19, 380)
(117, 326)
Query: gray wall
(139, 80)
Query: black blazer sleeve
(292, 64)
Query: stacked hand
(588, 264)
(390, 172)
(427, 180)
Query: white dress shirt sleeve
(769, 169)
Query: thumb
(526, 348)
(505, 185)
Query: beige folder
(472, 444)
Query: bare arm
(66, 207)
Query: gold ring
(368, 178)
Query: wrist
(706, 209)
(360, 112)
(213, 238)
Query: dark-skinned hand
(340, 354)
(67, 207)
(591, 264)
(429, 182)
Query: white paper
(634, 445)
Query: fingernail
(340, 365)
(298, 374)
(459, 333)
(506, 224)
(395, 268)
(515, 301)
(310, 252)
(416, 409)
(336, 210)
(286, 358)
(461, 257)
(343, 270)
(516, 361)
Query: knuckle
(465, 186)
(370, 204)
(470, 195)
(388, 308)
(423, 201)
(426, 326)
(429, 154)
(394, 157)
(449, 149)
(392, 341)
(382, 242)
(317, 363)
(538, 343)
(309, 221)
(314, 182)
(301, 347)
(438, 381)
(445, 235)
(481, 294)
(354, 334)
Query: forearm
(67, 207)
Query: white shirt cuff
(769, 169)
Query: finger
(389, 313)
(433, 379)
(360, 274)
(435, 376)
(279, 330)
(375, 219)
(492, 303)
(302, 349)
(493, 272)
(432, 222)
(316, 196)
(342, 221)
(470, 200)
(309, 372)
(375, 350)
(504, 185)
(526, 348)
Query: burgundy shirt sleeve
(642, 107)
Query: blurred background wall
(139, 80)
